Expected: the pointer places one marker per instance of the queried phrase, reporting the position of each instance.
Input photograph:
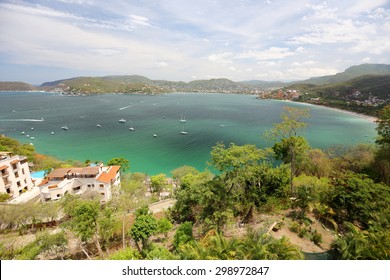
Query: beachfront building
(15, 175)
(77, 181)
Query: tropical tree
(83, 221)
(292, 145)
(122, 162)
(145, 225)
(164, 225)
(382, 160)
(158, 182)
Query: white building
(77, 181)
(15, 175)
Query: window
(89, 185)
(101, 185)
(14, 166)
(23, 171)
(16, 174)
(76, 188)
(18, 183)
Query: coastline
(369, 118)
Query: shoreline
(366, 117)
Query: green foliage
(157, 252)
(254, 246)
(126, 254)
(84, 217)
(190, 196)
(316, 237)
(234, 157)
(183, 235)
(291, 124)
(164, 225)
(143, 227)
(42, 243)
(158, 182)
(4, 197)
(181, 172)
(359, 199)
(106, 224)
(362, 245)
(122, 162)
(15, 147)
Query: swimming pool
(38, 175)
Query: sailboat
(183, 132)
(182, 119)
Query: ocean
(210, 118)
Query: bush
(316, 237)
(183, 234)
(125, 254)
(295, 227)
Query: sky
(188, 40)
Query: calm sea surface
(210, 118)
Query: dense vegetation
(346, 189)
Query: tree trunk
(85, 252)
(97, 243)
(292, 165)
(123, 233)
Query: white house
(77, 181)
(15, 175)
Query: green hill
(351, 73)
(16, 86)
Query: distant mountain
(16, 86)
(265, 84)
(351, 73)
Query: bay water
(151, 137)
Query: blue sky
(190, 39)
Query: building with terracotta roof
(15, 175)
(77, 181)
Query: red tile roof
(3, 167)
(109, 175)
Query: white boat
(131, 128)
(98, 125)
(183, 132)
(65, 127)
(28, 136)
(52, 133)
(183, 119)
(23, 132)
(122, 120)
(154, 135)
(32, 138)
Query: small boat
(182, 119)
(154, 135)
(98, 125)
(65, 127)
(23, 132)
(32, 128)
(28, 136)
(122, 120)
(182, 132)
(131, 128)
(52, 133)
(32, 138)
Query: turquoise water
(210, 118)
(38, 175)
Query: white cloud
(220, 57)
(140, 20)
(162, 64)
(269, 54)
